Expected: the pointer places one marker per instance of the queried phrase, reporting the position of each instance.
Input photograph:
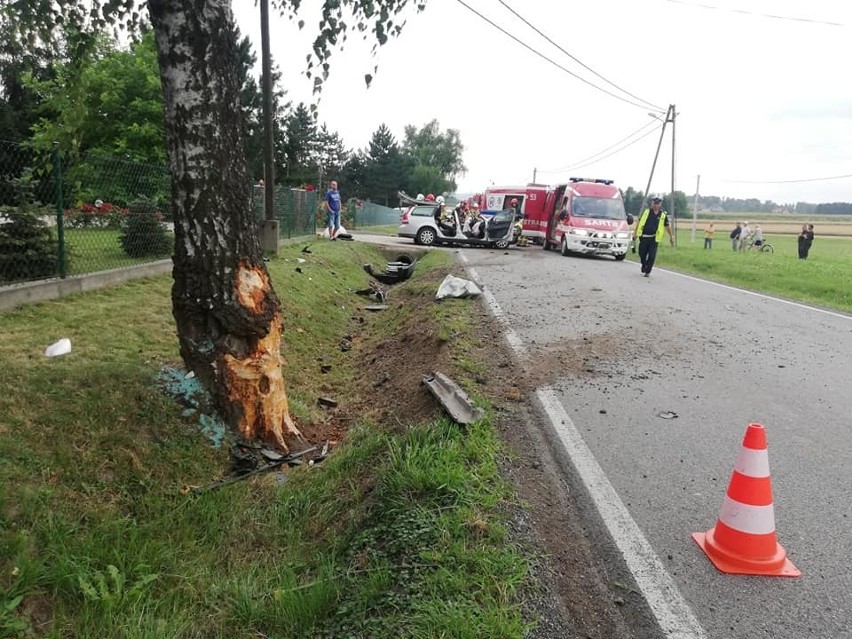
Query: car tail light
(405, 215)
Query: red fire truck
(584, 216)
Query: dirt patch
(572, 594)
(38, 609)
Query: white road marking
(668, 606)
(671, 610)
(760, 295)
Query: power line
(757, 13)
(602, 151)
(526, 22)
(654, 130)
(541, 55)
(819, 179)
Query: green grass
(91, 250)
(396, 534)
(822, 279)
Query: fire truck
(584, 216)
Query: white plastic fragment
(62, 347)
(340, 230)
(457, 287)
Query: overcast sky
(761, 88)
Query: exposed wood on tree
(227, 313)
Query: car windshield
(599, 207)
(503, 216)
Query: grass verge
(399, 533)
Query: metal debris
(271, 455)
(397, 270)
(667, 414)
(327, 402)
(374, 292)
(384, 378)
(454, 400)
(290, 459)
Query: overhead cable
(526, 22)
(819, 179)
(582, 166)
(601, 152)
(757, 13)
(554, 63)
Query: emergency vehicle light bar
(595, 180)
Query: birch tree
(227, 313)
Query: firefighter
(653, 224)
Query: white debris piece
(339, 231)
(62, 347)
(453, 286)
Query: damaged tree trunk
(227, 313)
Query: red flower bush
(89, 216)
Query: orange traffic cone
(743, 541)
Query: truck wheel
(619, 258)
(565, 251)
(546, 244)
(425, 236)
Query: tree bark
(227, 313)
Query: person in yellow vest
(653, 224)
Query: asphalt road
(622, 353)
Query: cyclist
(758, 237)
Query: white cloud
(737, 80)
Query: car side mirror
(629, 219)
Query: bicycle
(764, 247)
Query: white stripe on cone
(752, 520)
(753, 463)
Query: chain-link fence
(295, 210)
(370, 214)
(61, 217)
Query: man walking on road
(332, 207)
(653, 224)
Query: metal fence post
(60, 222)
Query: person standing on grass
(735, 236)
(708, 236)
(758, 237)
(332, 207)
(745, 234)
(653, 224)
(809, 240)
(801, 238)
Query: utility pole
(695, 207)
(674, 216)
(269, 236)
(654, 165)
